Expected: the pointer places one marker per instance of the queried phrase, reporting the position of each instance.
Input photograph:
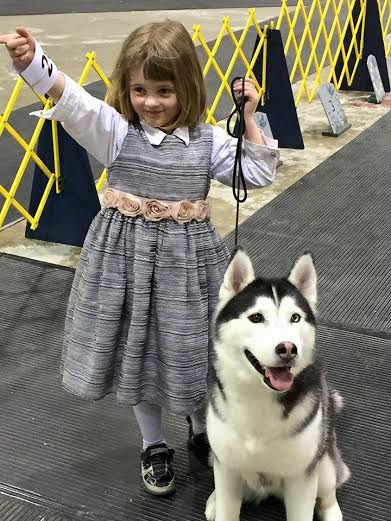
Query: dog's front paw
(332, 513)
(210, 510)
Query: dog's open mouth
(277, 378)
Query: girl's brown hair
(166, 52)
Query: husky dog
(270, 419)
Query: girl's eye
(165, 92)
(257, 318)
(138, 90)
(295, 318)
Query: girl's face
(153, 101)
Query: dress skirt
(140, 312)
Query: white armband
(42, 73)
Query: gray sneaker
(156, 470)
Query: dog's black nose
(287, 351)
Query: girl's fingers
(19, 51)
(5, 38)
(238, 88)
(14, 43)
(250, 91)
(14, 40)
(22, 31)
(8, 39)
(25, 33)
(246, 80)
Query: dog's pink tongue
(280, 378)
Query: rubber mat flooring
(66, 459)
(71, 459)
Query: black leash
(238, 180)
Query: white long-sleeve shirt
(101, 130)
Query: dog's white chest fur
(259, 439)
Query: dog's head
(265, 328)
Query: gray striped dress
(144, 293)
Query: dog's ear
(303, 276)
(238, 275)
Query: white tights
(149, 419)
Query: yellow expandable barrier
(385, 19)
(30, 154)
(325, 24)
(322, 27)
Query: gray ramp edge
(82, 458)
(340, 212)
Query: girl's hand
(250, 92)
(43, 76)
(20, 46)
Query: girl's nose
(151, 101)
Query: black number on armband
(45, 61)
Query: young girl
(147, 284)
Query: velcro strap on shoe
(159, 450)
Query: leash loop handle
(238, 180)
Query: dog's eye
(295, 317)
(257, 318)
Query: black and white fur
(271, 415)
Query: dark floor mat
(340, 212)
(82, 458)
(12, 509)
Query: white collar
(156, 136)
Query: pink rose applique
(130, 205)
(183, 211)
(110, 198)
(155, 210)
(201, 210)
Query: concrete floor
(103, 33)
